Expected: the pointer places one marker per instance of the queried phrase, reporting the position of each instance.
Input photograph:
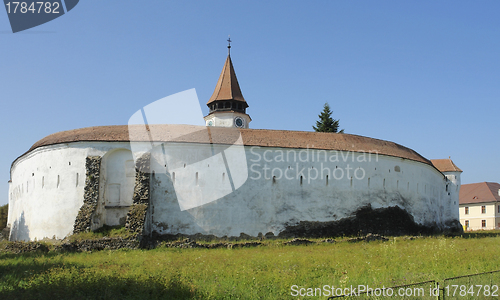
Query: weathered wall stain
(393, 221)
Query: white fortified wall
(283, 186)
(47, 187)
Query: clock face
(210, 123)
(239, 122)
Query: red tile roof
(222, 135)
(479, 192)
(445, 165)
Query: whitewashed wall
(44, 196)
(226, 119)
(264, 205)
(47, 187)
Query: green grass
(265, 272)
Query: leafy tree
(4, 211)
(326, 123)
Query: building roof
(479, 192)
(222, 135)
(227, 87)
(445, 165)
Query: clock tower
(227, 105)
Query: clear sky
(424, 74)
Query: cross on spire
(229, 45)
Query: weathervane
(229, 45)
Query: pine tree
(326, 123)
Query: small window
(466, 210)
(483, 209)
(466, 224)
(483, 223)
(499, 209)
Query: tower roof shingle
(445, 165)
(227, 87)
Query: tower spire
(227, 105)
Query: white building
(480, 206)
(226, 179)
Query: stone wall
(137, 214)
(83, 221)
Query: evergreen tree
(4, 211)
(326, 123)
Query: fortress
(224, 179)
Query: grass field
(264, 272)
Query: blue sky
(424, 74)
